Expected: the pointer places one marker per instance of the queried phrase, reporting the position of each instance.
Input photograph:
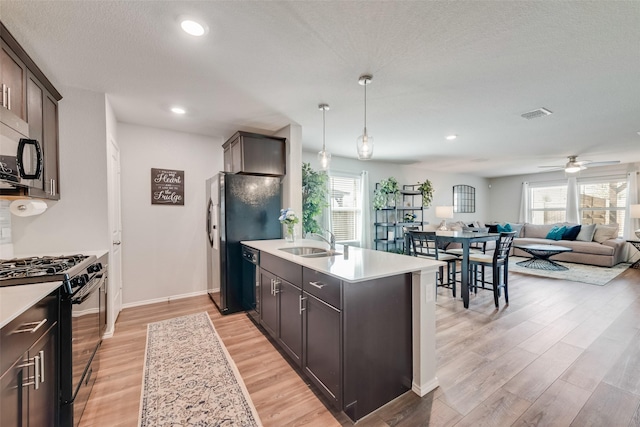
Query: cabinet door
(322, 347)
(236, 156)
(12, 78)
(227, 159)
(50, 146)
(13, 406)
(269, 312)
(43, 400)
(291, 319)
(35, 100)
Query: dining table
(465, 238)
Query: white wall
(292, 182)
(163, 247)
(505, 192)
(78, 221)
(406, 174)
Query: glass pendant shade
(364, 144)
(324, 157)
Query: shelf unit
(388, 221)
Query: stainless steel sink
(322, 254)
(304, 250)
(310, 251)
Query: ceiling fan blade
(611, 162)
(554, 167)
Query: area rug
(576, 272)
(189, 378)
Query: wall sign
(167, 187)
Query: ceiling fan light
(572, 169)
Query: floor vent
(540, 112)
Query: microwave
(20, 157)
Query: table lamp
(444, 213)
(634, 212)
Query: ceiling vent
(534, 114)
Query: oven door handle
(90, 291)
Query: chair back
(423, 243)
(503, 246)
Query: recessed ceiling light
(178, 110)
(451, 137)
(192, 27)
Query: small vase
(391, 200)
(290, 237)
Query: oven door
(87, 317)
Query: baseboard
(423, 389)
(163, 299)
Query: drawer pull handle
(37, 326)
(318, 285)
(301, 307)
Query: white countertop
(361, 264)
(15, 300)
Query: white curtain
(573, 213)
(524, 215)
(631, 224)
(325, 222)
(365, 209)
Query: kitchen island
(360, 324)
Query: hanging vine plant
(385, 188)
(314, 196)
(427, 192)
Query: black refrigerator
(240, 207)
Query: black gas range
(82, 320)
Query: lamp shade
(444, 211)
(634, 211)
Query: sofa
(602, 249)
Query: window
(548, 203)
(346, 216)
(603, 201)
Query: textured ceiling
(467, 68)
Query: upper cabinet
(253, 153)
(28, 96)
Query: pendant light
(365, 141)
(324, 157)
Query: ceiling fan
(574, 166)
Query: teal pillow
(556, 233)
(505, 228)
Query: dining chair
(499, 263)
(423, 243)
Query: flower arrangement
(289, 218)
(409, 217)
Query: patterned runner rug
(189, 378)
(576, 272)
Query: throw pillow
(556, 232)
(605, 232)
(493, 228)
(504, 228)
(586, 233)
(571, 232)
(517, 228)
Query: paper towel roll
(24, 207)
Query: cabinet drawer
(34, 322)
(322, 286)
(282, 268)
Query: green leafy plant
(382, 191)
(314, 196)
(427, 192)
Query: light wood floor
(562, 353)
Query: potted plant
(427, 192)
(385, 193)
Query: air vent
(540, 112)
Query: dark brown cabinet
(42, 117)
(30, 101)
(253, 153)
(351, 340)
(13, 77)
(29, 383)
